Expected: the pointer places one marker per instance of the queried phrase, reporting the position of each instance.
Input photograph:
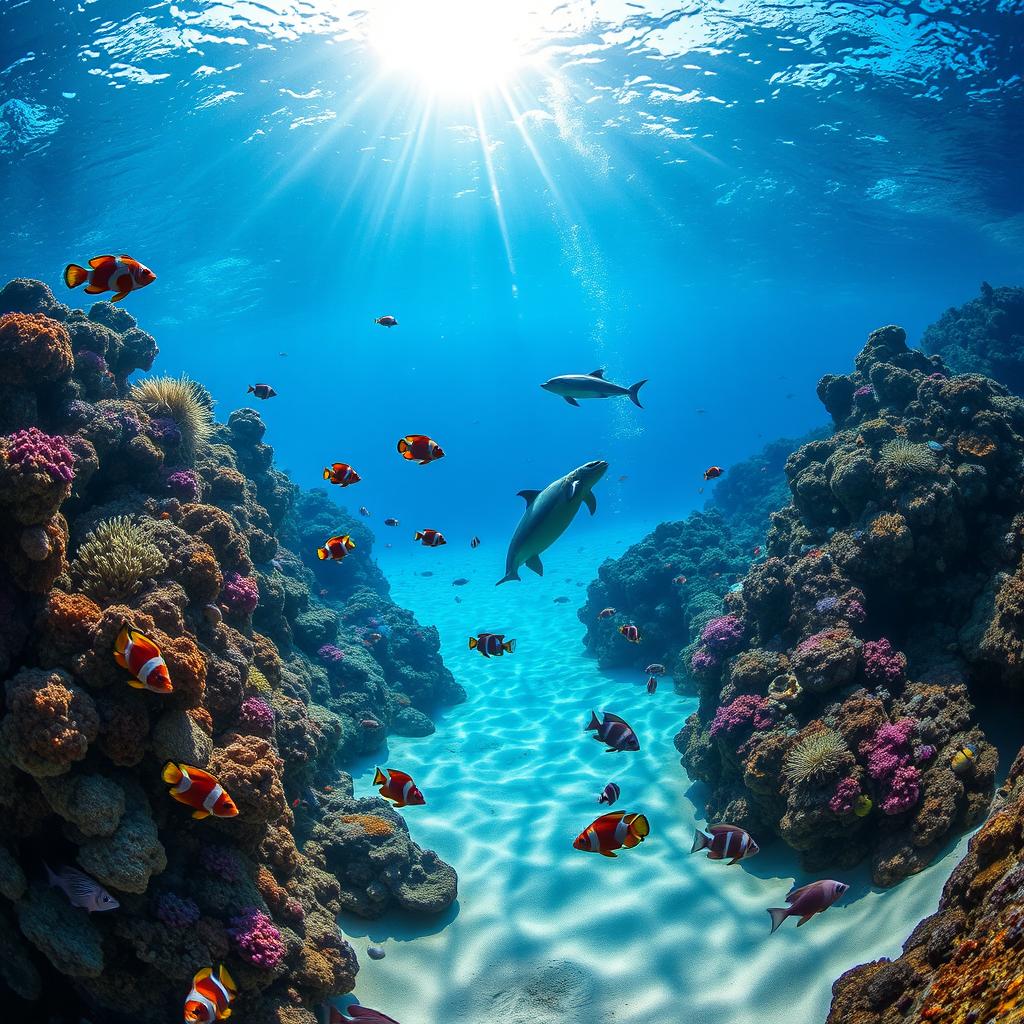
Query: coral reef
(182, 527)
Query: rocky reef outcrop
(962, 965)
(128, 504)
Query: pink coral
(184, 485)
(31, 451)
(844, 797)
(889, 754)
(331, 654)
(883, 664)
(256, 938)
(722, 634)
(240, 594)
(256, 715)
(904, 790)
(747, 709)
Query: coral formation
(184, 528)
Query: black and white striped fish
(725, 842)
(614, 731)
(609, 794)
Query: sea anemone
(115, 560)
(903, 458)
(182, 400)
(816, 756)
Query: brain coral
(33, 349)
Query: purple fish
(725, 841)
(612, 730)
(609, 794)
(807, 901)
(81, 890)
(652, 684)
(364, 1013)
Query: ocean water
(721, 197)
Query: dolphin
(547, 515)
(591, 385)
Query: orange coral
(249, 769)
(201, 577)
(369, 824)
(216, 528)
(888, 524)
(978, 445)
(64, 624)
(228, 485)
(33, 349)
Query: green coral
(115, 560)
(815, 756)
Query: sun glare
(462, 47)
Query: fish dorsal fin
(599, 373)
(609, 717)
(715, 829)
(98, 261)
(202, 975)
(797, 893)
(614, 815)
(530, 496)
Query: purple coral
(184, 485)
(31, 451)
(845, 796)
(864, 392)
(222, 862)
(722, 634)
(904, 790)
(826, 605)
(889, 753)
(924, 752)
(256, 715)
(747, 709)
(240, 594)
(855, 611)
(331, 654)
(165, 432)
(882, 664)
(256, 938)
(175, 911)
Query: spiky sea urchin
(186, 402)
(816, 756)
(901, 457)
(115, 560)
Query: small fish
(679, 581)
(757, 551)
(655, 669)
(390, 522)
(700, 490)
(375, 638)
(427, 573)
(458, 600)
(623, 478)
(198, 789)
(263, 391)
(561, 600)
(386, 321)
(613, 831)
(361, 1013)
(141, 656)
(630, 632)
(963, 760)
(936, 446)
(460, 582)
(363, 510)
(370, 723)
(492, 644)
(725, 841)
(342, 474)
(429, 538)
(606, 613)
(213, 614)
(807, 901)
(398, 787)
(614, 731)
(119, 274)
(736, 588)
(609, 794)
(475, 542)
(419, 448)
(210, 997)
(652, 684)
(336, 548)
(713, 472)
(81, 890)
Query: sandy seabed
(542, 932)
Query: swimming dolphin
(591, 385)
(547, 514)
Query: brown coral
(33, 349)
(249, 769)
(367, 824)
(978, 445)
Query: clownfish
(429, 538)
(263, 391)
(336, 548)
(419, 448)
(713, 472)
(210, 997)
(613, 831)
(120, 274)
(630, 632)
(398, 787)
(342, 474)
(198, 789)
(141, 656)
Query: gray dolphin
(591, 385)
(547, 515)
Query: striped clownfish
(336, 548)
(725, 842)
(198, 789)
(419, 448)
(120, 274)
(613, 831)
(141, 656)
(398, 787)
(210, 997)
(342, 474)
(429, 538)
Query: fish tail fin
(226, 980)
(634, 393)
(510, 646)
(327, 472)
(171, 773)
(322, 553)
(403, 446)
(641, 826)
(779, 914)
(700, 841)
(594, 723)
(379, 778)
(250, 390)
(74, 275)
(473, 643)
(417, 535)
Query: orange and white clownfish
(398, 787)
(612, 832)
(120, 274)
(429, 538)
(336, 548)
(344, 475)
(141, 656)
(419, 448)
(198, 789)
(210, 997)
